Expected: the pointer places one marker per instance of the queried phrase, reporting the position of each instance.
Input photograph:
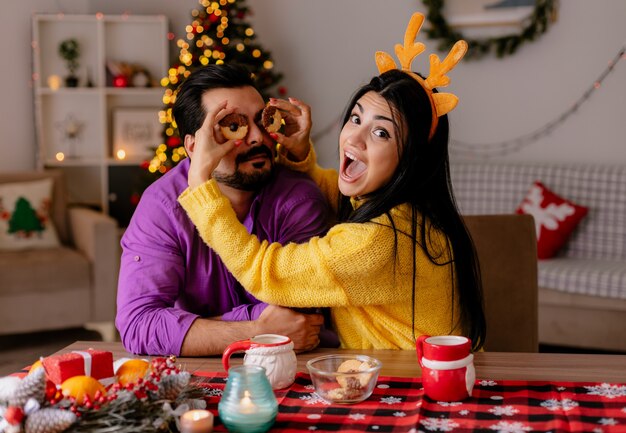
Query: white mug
(272, 352)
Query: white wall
(325, 50)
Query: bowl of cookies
(344, 378)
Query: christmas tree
(217, 34)
(24, 219)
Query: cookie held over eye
(234, 126)
(271, 119)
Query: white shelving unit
(88, 159)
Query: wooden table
(403, 363)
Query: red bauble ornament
(134, 199)
(241, 14)
(213, 18)
(145, 165)
(14, 415)
(120, 81)
(173, 141)
(282, 91)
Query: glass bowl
(344, 378)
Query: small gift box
(95, 363)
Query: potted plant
(69, 50)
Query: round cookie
(234, 126)
(271, 119)
(356, 381)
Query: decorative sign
(136, 132)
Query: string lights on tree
(217, 34)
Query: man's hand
(208, 146)
(296, 137)
(303, 329)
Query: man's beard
(248, 181)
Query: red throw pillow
(555, 218)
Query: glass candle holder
(248, 403)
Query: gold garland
(543, 15)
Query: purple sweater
(169, 276)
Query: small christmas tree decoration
(49, 420)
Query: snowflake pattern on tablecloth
(357, 416)
(487, 383)
(554, 404)
(439, 424)
(464, 412)
(503, 410)
(399, 414)
(214, 392)
(391, 400)
(598, 430)
(607, 390)
(312, 427)
(449, 403)
(561, 388)
(607, 421)
(510, 427)
(313, 399)
(309, 387)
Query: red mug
(447, 367)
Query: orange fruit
(80, 387)
(35, 366)
(132, 370)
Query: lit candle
(196, 421)
(246, 405)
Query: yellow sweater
(353, 269)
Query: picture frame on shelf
(136, 132)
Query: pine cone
(172, 384)
(32, 386)
(49, 421)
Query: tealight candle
(196, 421)
(248, 404)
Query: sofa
(67, 286)
(582, 290)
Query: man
(175, 296)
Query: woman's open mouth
(352, 167)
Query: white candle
(246, 405)
(196, 421)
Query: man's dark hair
(188, 111)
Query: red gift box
(95, 363)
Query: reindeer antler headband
(441, 103)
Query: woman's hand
(209, 146)
(297, 131)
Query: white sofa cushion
(605, 278)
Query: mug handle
(237, 346)
(420, 348)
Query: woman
(399, 263)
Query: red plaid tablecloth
(399, 405)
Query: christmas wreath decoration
(543, 15)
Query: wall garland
(543, 15)
(507, 147)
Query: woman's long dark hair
(422, 180)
